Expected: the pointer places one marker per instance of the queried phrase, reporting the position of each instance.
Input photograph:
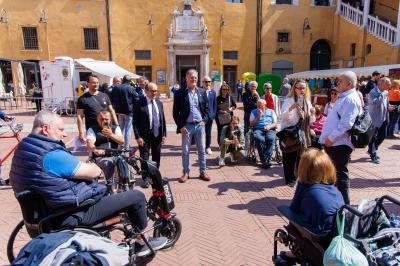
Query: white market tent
(332, 73)
(105, 68)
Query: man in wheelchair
(101, 137)
(264, 122)
(42, 164)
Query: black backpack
(362, 131)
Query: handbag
(224, 119)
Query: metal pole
(108, 30)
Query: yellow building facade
(162, 39)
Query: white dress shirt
(347, 107)
(150, 108)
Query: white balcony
(380, 29)
(351, 14)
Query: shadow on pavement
(262, 206)
(375, 183)
(248, 186)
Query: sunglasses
(207, 81)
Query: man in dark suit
(212, 110)
(149, 125)
(190, 113)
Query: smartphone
(106, 124)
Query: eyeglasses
(207, 81)
(334, 93)
(154, 91)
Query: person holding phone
(104, 136)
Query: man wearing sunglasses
(212, 110)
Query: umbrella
(21, 84)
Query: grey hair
(264, 102)
(268, 84)
(206, 77)
(116, 78)
(254, 82)
(383, 80)
(191, 72)
(286, 79)
(350, 76)
(44, 118)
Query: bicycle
(15, 129)
(36, 220)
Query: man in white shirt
(335, 136)
(101, 137)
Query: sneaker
(5, 183)
(375, 159)
(208, 151)
(232, 159)
(155, 242)
(221, 161)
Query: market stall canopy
(332, 73)
(106, 68)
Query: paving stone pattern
(230, 220)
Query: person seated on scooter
(101, 137)
(264, 122)
(43, 165)
(316, 199)
(4, 182)
(316, 127)
(231, 141)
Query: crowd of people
(318, 163)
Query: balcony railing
(382, 30)
(351, 14)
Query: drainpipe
(258, 37)
(108, 30)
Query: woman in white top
(329, 106)
(296, 109)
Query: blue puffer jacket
(27, 173)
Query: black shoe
(5, 183)
(291, 184)
(146, 183)
(266, 165)
(155, 242)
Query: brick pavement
(230, 220)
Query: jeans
(197, 132)
(131, 202)
(377, 138)
(125, 122)
(265, 141)
(208, 129)
(340, 156)
(393, 118)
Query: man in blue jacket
(212, 110)
(6, 118)
(43, 164)
(378, 110)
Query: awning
(105, 68)
(332, 73)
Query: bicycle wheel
(170, 228)
(18, 239)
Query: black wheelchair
(364, 229)
(251, 149)
(37, 220)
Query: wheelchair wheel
(169, 228)
(18, 239)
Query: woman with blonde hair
(316, 199)
(296, 110)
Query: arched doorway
(320, 55)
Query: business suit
(212, 112)
(190, 111)
(143, 129)
(378, 110)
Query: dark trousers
(239, 95)
(377, 138)
(153, 144)
(219, 130)
(208, 129)
(340, 156)
(246, 121)
(393, 121)
(290, 162)
(38, 104)
(132, 202)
